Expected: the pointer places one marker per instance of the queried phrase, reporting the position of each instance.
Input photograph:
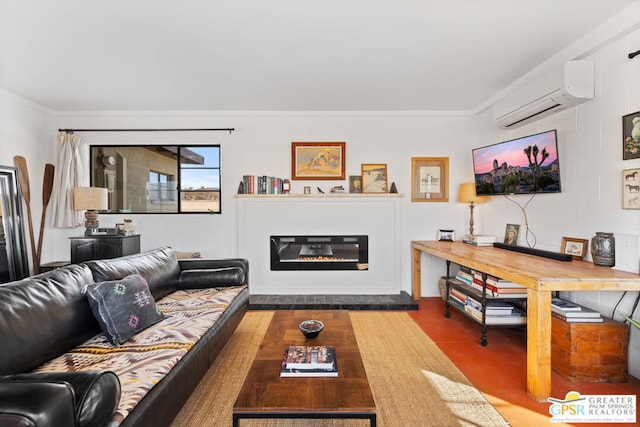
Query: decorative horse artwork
(631, 189)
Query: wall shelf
(317, 195)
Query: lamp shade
(90, 198)
(467, 194)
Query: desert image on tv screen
(520, 166)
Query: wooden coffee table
(265, 395)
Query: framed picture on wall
(631, 189)
(317, 160)
(429, 179)
(631, 136)
(374, 178)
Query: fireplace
(319, 252)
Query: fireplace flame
(319, 258)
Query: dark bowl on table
(311, 328)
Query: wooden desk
(541, 276)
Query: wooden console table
(541, 276)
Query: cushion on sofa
(123, 307)
(211, 278)
(159, 267)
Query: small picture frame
(446, 235)
(631, 136)
(374, 178)
(355, 183)
(317, 160)
(429, 179)
(577, 248)
(511, 234)
(631, 189)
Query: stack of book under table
(574, 313)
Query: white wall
(590, 150)
(23, 132)
(261, 144)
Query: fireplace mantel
(374, 215)
(319, 195)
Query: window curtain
(68, 174)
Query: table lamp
(467, 194)
(91, 200)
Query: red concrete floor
(499, 369)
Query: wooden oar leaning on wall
(23, 175)
(25, 187)
(47, 188)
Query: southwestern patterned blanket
(144, 360)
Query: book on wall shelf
(309, 361)
(261, 184)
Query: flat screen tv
(524, 165)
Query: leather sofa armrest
(211, 278)
(32, 403)
(96, 394)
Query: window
(158, 178)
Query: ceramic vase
(603, 249)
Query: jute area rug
(413, 383)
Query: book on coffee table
(309, 361)
(284, 373)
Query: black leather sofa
(44, 316)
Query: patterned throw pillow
(123, 307)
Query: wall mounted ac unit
(555, 91)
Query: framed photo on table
(429, 179)
(577, 248)
(446, 235)
(374, 178)
(317, 160)
(511, 234)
